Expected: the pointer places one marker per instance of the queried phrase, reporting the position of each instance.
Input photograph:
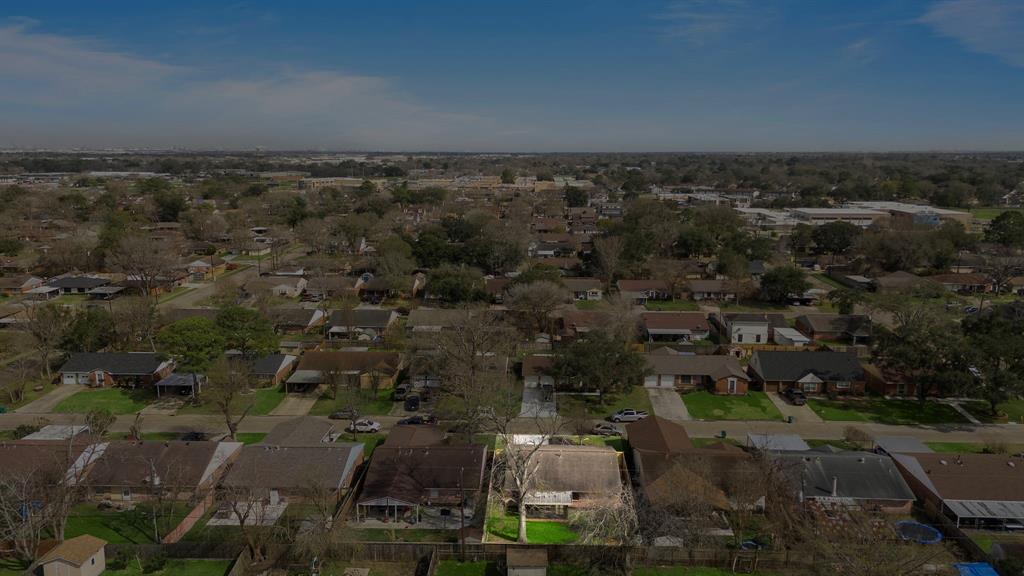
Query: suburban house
(901, 281)
(295, 320)
(537, 371)
(79, 556)
(283, 286)
(972, 283)
(584, 288)
(130, 471)
(429, 485)
(126, 369)
(718, 374)
(272, 369)
(865, 479)
(431, 319)
(812, 372)
(54, 460)
(972, 490)
(572, 476)
(274, 474)
(76, 284)
(13, 285)
(373, 369)
(361, 323)
(717, 290)
(576, 323)
(751, 328)
(669, 468)
(675, 326)
(640, 291)
(206, 268)
(852, 328)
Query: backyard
(885, 411)
(263, 401)
(399, 534)
(506, 527)
(190, 567)
(121, 527)
(636, 398)
(751, 406)
(375, 568)
(116, 400)
(456, 568)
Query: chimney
(835, 486)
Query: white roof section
(223, 453)
(986, 509)
(898, 444)
(792, 334)
(57, 432)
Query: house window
(739, 337)
(126, 493)
(810, 387)
(92, 561)
(842, 385)
(757, 338)
(732, 385)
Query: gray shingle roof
(776, 366)
(858, 475)
(127, 363)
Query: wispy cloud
(700, 21)
(862, 51)
(993, 27)
(77, 92)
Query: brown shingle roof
(695, 321)
(346, 361)
(656, 434)
(75, 550)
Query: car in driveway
(418, 420)
(795, 396)
(364, 425)
(605, 429)
(411, 404)
(628, 415)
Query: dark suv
(795, 396)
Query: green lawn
(883, 411)
(588, 304)
(250, 437)
(985, 538)
(376, 568)
(688, 571)
(11, 567)
(380, 405)
(672, 305)
(753, 306)
(263, 401)
(616, 442)
(990, 213)
(825, 278)
(179, 291)
(968, 447)
(1010, 411)
(401, 534)
(127, 527)
(117, 400)
(369, 441)
(456, 568)
(30, 394)
(752, 406)
(537, 531)
(635, 398)
(177, 568)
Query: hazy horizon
(672, 76)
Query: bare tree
(608, 253)
(227, 383)
(536, 301)
(99, 421)
(610, 526)
(144, 260)
(135, 322)
(47, 325)
(516, 466)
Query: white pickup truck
(628, 415)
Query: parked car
(418, 420)
(605, 429)
(970, 309)
(795, 396)
(628, 415)
(345, 414)
(194, 437)
(364, 425)
(412, 403)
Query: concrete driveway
(46, 404)
(297, 404)
(535, 404)
(802, 414)
(668, 404)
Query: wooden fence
(190, 520)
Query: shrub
(154, 564)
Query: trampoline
(917, 532)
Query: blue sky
(560, 75)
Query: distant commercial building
(862, 217)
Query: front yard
(636, 398)
(116, 400)
(1010, 411)
(672, 305)
(751, 406)
(379, 405)
(122, 527)
(263, 401)
(885, 411)
(30, 394)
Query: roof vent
(1011, 464)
